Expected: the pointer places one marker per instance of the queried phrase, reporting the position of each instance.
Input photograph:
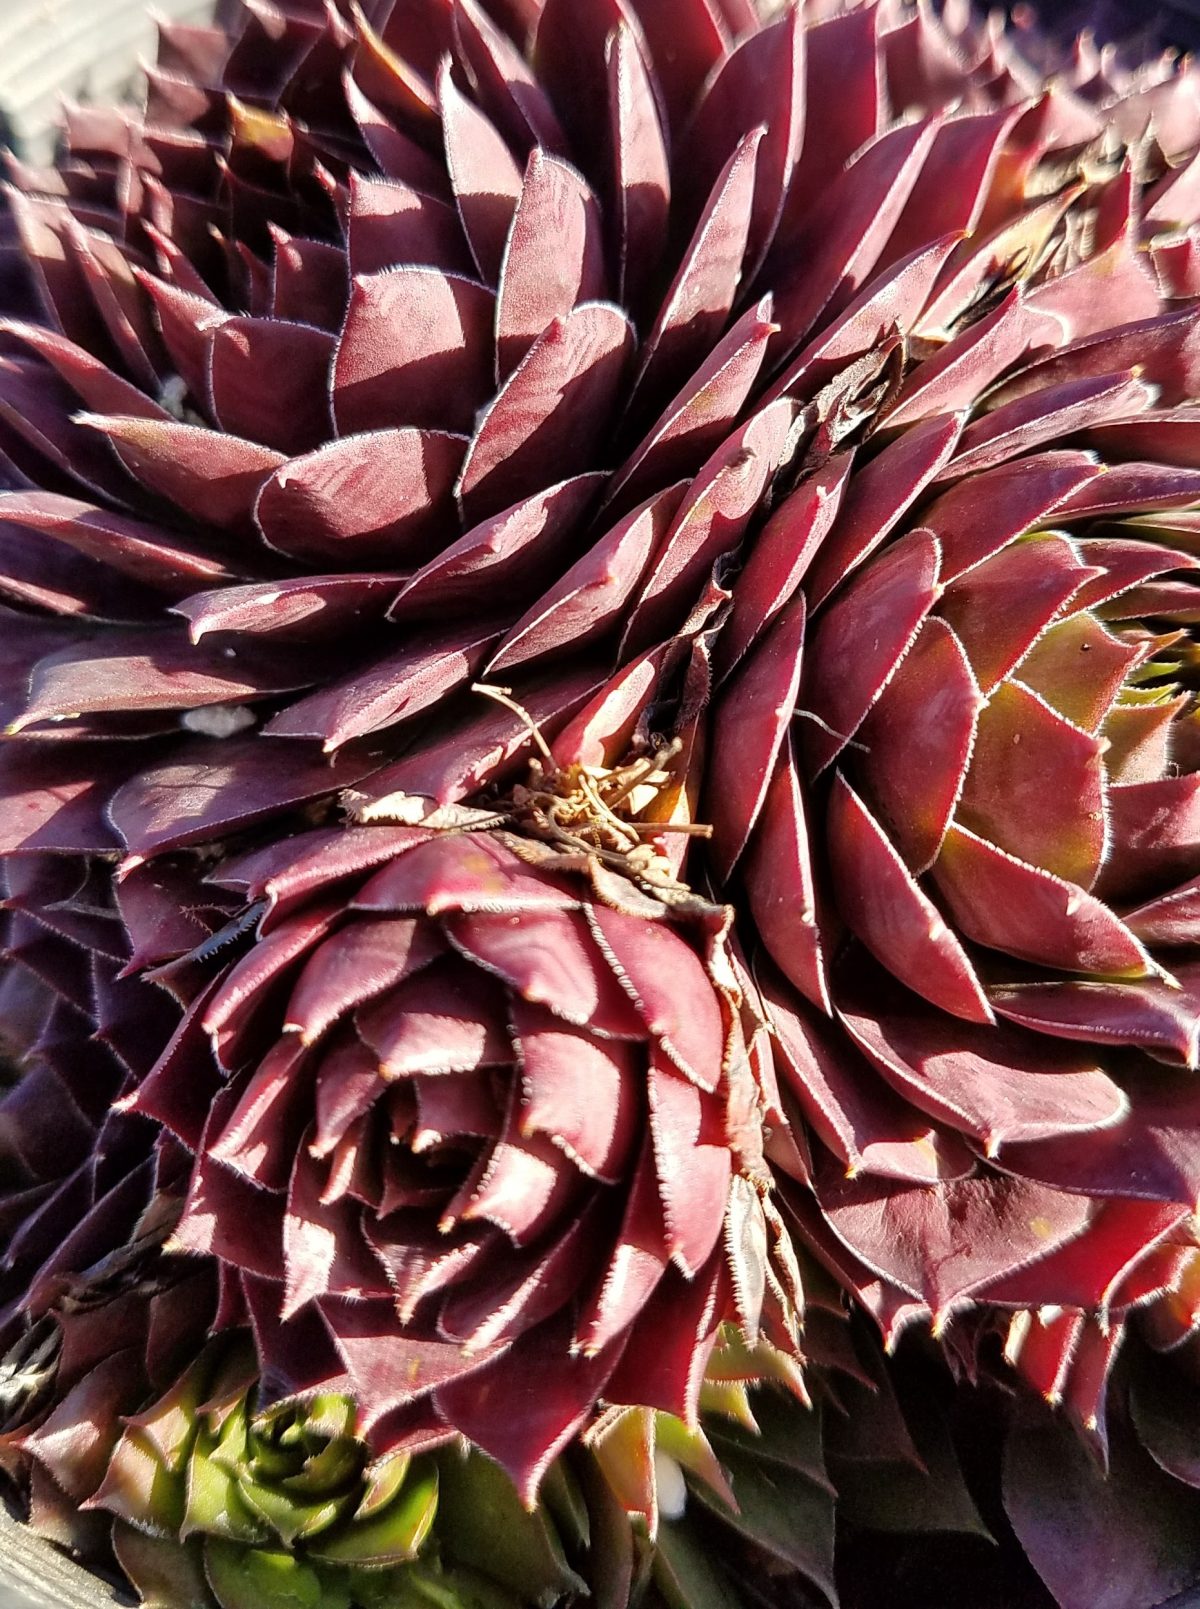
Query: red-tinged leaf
(692, 426)
(391, 225)
(749, 725)
(876, 497)
(1166, 436)
(591, 597)
(664, 1363)
(686, 38)
(568, 58)
(761, 83)
(781, 555)
(638, 1264)
(885, 906)
(781, 886)
(311, 282)
(1019, 743)
(227, 1217)
(462, 872)
(1165, 350)
(44, 227)
(356, 964)
(943, 1242)
(894, 1310)
(1132, 489)
(398, 156)
(555, 408)
(152, 670)
(969, 364)
(1059, 411)
(378, 498)
(668, 984)
(1088, 1272)
(206, 788)
(141, 552)
(525, 1406)
(694, 310)
(847, 102)
(165, 914)
(553, 258)
(75, 1442)
(892, 301)
(581, 1093)
(387, 690)
(861, 640)
(600, 734)
(390, 1363)
(550, 960)
(214, 478)
(396, 86)
(1173, 918)
(514, 551)
(1079, 668)
(983, 513)
(1151, 1154)
(525, 1186)
(999, 609)
(856, 1116)
(504, 84)
(486, 180)
(641, 169)
(836, 250)
(1099, 1541)
(310, 609)
(1162, 1018)
(692, 1173)
(711, 521)
(453, 1106)
(448, 1018)
(527, 1288)
(1001, 1085)
(918, 741)
(956, 181)
(324, 1252)
(1155, 836)
(1007, 904)
(92, 381)
(1125, 564)
(348, 1084)
(258, 1139)
(416, 349)
(268, 381)
(230, 1017)
(481, 749)
(1042, 1348)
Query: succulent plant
(455, 455)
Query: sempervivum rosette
(489, 1143)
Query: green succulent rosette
(219, 1503)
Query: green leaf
(138, 1487)
(899, 1497)
(166, 1574)
(788, 1434)
(292, 1521)
(261, 1578)
(684, 1572)
(394, 1534)
(483, 1524)
(564, 1502)
(786, 1513)
(214, 1505)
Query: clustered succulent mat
(600, 814)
